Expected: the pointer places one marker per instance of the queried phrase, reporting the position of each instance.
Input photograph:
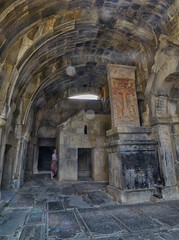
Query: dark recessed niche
(85, 129)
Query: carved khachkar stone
(123, 99)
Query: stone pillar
(20, 156)
(68, 158)
(133, 163)
(161, 124)
(2, 147)
(35, 156)
(100, 161)
(175, 140)
(122, 93)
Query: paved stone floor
(45, 209)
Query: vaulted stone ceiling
(39, 39)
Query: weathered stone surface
(38, 41)
(24, 200)
(12, 221)
(155, 212)
(83, 188)
(68, 190)
(63, 224)
(170, 235)
(148, 236)
(82, 220)
(73, 138)
(100, 199)
(133, 162)
(55, 206)
(33, 232)
(144, 222)
(77, 202)
(99, 223)
(122, 92)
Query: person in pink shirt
(54, 164)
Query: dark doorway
(84, 163)
(45, 156)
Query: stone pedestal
(133, 164)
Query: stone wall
(71, 136)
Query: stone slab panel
(100, 198)
(134, 221)
(98, 222)
(12, 221)
(166, 216)
(63, 225)
(55, 206)
(79, 237)
(33, 232)
(107, 238)
(41, 204)
(171, 204)
(170, 235)
(34, 218)
(24, 200)
(145, 236)
(7, 195)
(69, 190)
(77, 202)
(85, 187)
(8, 238)
(55, 190)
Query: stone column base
(131, 196)
(142, 195)
(170, 193)
(15, 184)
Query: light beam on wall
(85, 97)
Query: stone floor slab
(133, 220)
(75, 201)
(98, 222)
(53, 190)
(12, 221)
(82, 188)
(55, 206)
(8, 238)
(166, 216)
(106, 238)
(7, 195)
(41, 204)
(33, 232)
(145, 236)
(170, 235)
(63, 225)
(171, 204)
(68, 190)
(90, 214)
(100, 198)
(22, 200)
(35, 218)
